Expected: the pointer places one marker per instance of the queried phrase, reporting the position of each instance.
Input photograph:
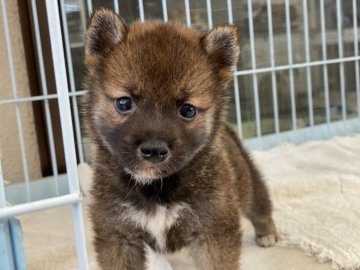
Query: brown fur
(162, 66)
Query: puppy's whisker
(127, 195)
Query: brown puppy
(169, 172)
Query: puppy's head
(157, 92)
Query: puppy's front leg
(219, 249)
(115, 252)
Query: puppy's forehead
(160, 43)
(158, 59)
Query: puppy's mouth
(147, 174)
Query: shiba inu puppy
(168, 172)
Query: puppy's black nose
(154, 151)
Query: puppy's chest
(157, 221)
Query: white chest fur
(155, 261)
(157, 222)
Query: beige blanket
(316, 193)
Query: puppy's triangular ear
(105, 30)
(222, 46)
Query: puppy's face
(156, 91)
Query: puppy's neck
(160, 190)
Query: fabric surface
(316, 193)
(315, 189)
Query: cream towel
(316, 192)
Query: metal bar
(236, 83)
(237, 107)
(77, 93)
(14, 91)
(341, 54)
(318, 132)
(6, 253)
(237, 73)
(58, 56)
(116, 6)
(27, 99)
(290, 59)
(298, 65)
(308, 69)
(17, 244)
(7, 261)
(2, 188)
(31, 207)
(187, 13)
(253, 63)
(272, 63)
(141, 10)
(39, 98)
(83, 15)
(209, 14)
(72, 84)
(324, 55)
(79, 234)
(230, 14)
(356, 49)
(50, 132)
(165, 11)
(90, 6)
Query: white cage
(297, 80)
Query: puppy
(168, 172)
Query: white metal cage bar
(291, 70)
(356, 49)
(45, 92)
(14, 91)
(307, 58)
(235, 79)
(272, 64)
(341, 55)
(90, 6)
(237, 107)
(116, 6)
(66, 127)
(2, 188)
(230, 13)
(209, 13)
(324, 56)
(38, 98)
(141, 10)
(298, 65)
(27, 208)
(164, 10)
(72, 84)
(187, 13)
(253, 64)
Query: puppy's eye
(124, 104)
(188, 111)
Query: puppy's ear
(222, 46)
(105, 30)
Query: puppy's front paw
(267, 240)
